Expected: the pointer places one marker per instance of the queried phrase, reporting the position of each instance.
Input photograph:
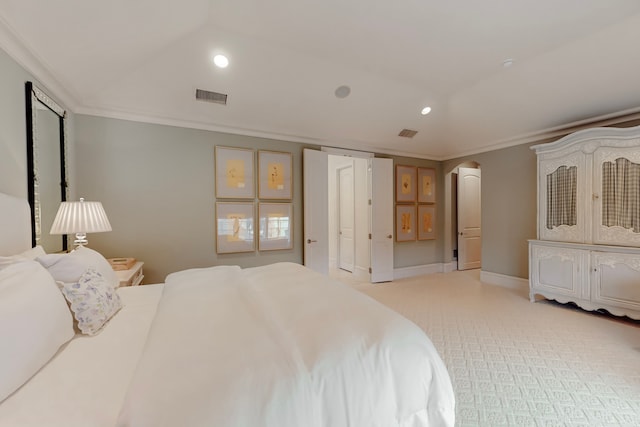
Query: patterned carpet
(514, 363)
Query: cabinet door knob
(595, 196)
(389, 236)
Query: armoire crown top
(607, 136)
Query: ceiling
(573, 61)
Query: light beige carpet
(514, 363)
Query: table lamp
(80, 218)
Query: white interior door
(346, 213)
(469, 220)
(316, 212)
(381, 194)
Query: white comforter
(281, 346)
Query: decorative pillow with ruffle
(93, 301)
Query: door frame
(348, 153)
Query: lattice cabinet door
(616, 195)
(562, 188)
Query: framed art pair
(235, 174)
(415, 221)
(415, 184)
(236, 227)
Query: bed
(277, 345)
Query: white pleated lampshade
(80, 217)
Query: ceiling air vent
(215, 97)
(408, 133)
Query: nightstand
(132, 276)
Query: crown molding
(611, 119)
(17, 49)
(190, 124)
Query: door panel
(316, 216)
(469, 219)
(346, 232)
(382, 226)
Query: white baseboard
(450, 266)
(417, 270)
(504, 280)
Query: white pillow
(34, 322)
(28, 255)
(93, 301)
(68, 268)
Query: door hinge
(369, 202)
(369, 236)
(370, 270)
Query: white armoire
(588, 246)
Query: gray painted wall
(156, 183)
(408, 254)
(13, 135)
(508, 207)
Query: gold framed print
(405, 184)
(234, 173)
(405, 223)
(276, 226)
(274, 175)
(234, 227)
(426, 185)
(426, 222)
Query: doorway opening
(463, 233)
(372, 199)
(349, 225)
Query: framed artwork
(234, 227)
(405, 223)
(426, 185)
(426, 222)
(234, 173)
(276, 226)
(274, 175)
(406, 184)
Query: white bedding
(272, 346)
(281, 346)
(85, 383)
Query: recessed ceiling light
(342, 91)
(221, 61)
(508, 62)
(425, 111)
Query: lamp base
(81, 239)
